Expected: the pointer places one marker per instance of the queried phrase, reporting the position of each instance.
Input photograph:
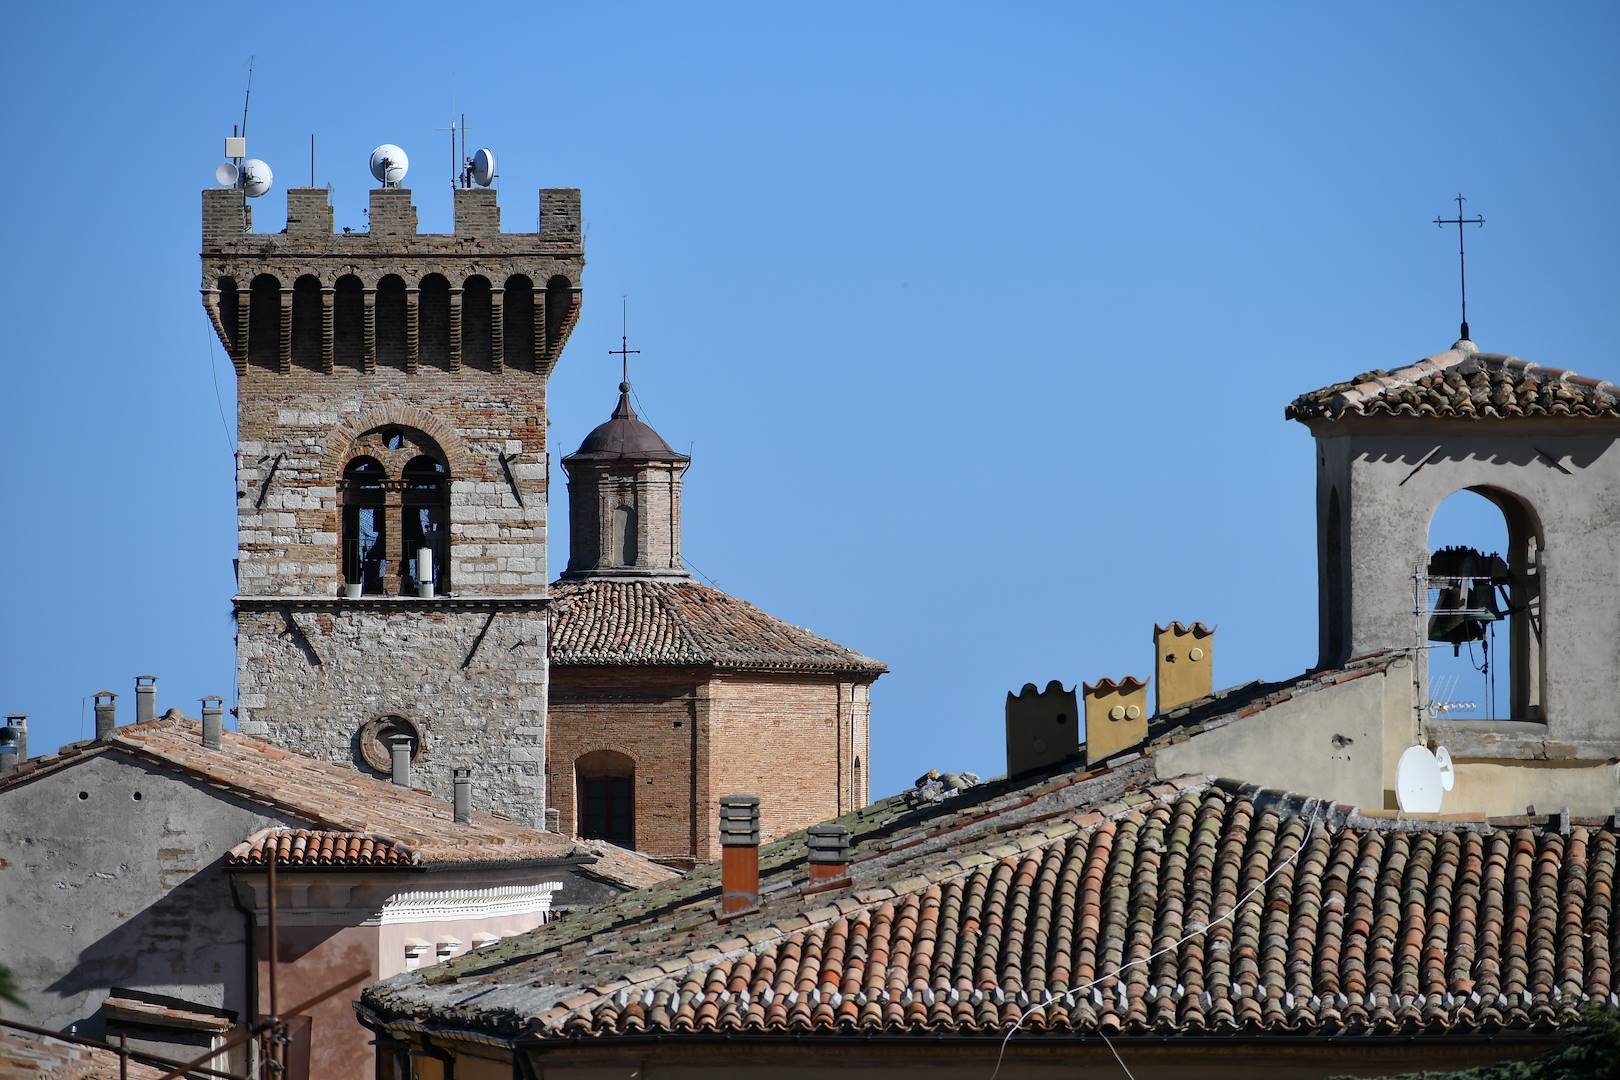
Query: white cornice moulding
(452, 905)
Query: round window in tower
(374, 742)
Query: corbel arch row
(400, 414)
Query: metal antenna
(624, 352)
(455, 168)
(1462, 266)
(247, 97)
(312, 159)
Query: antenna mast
(247, 97)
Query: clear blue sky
(978, 321)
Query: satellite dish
(483, 167)
(256, 177)
(1418, 785)
(389, 164)
(226, 174)
(1448, 773)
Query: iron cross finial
(624, 352)
(1462, 267)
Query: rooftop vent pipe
(739, 854)
(400, 746)
(461, 780)
(145, 698)
(16, 732)
(106, 715)
(829, 854)
(213, 720)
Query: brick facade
(395, 347)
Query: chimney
(1043, 728)
(1183, 665)
(553, 820)
(461, 779)
(400, 745)
(1116, 716)
(829, 854)
(739, 854)
(145, 698)
(16, 732)
(213, 716)
(106, 714)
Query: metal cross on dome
(1462, 269)
(624, 352)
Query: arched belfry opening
(395, 498)
(1482, 620)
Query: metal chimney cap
(108, 694)
(460, 772)
(146, 680)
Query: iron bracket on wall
(506, 467)
(264, 488)
(479, 640)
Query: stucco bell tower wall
(395, 346)
(1387, 476)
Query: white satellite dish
(1448, 772)
(482, 168)
(389, 164)
(226, 174)
(256, 177)
(1418, 786)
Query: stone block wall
(471, 679)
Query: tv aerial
(389, 165)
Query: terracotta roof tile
(37, 1057)
(1465, 383)
(682, 623)
(353, 819)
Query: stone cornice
(523, 602)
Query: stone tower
(624, 500)
(391, 478)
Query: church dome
(625, 437)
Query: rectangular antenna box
(235, 146)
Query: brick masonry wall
(652, 716)
(652, 489)
(309, 679)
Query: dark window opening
(559, 297)
(365, 548)
(230, 305)
(425, 524)
(606, 783)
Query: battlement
(312, 298)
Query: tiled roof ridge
(1197, 629)
(796, 919)
(322, 847)
(1381, 391)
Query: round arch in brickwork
(398, 414)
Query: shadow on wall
(190, 944)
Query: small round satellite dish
(226, 174)
(1448, 772)
(256, 177)
(389, 164)
(1418, 788)
(483, 167)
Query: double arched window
(395, 500)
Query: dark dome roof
(625, 437)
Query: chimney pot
(400, 745)
(1183, 664)
(145, 698)
(213, 720)
(829, 853)
(106, 715)
(461, 779)
(553, 820)
(1116, 716)
(739, 854)
(1043, 727)
(17, 732)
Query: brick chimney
(16, 732)
(145, 698)
(739, 854)
(1043, 727)
(1116, 716)
(829, 854)
(1183, 663)
(461, 783)
(213, 720)
(400, 747)
(106, 714)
